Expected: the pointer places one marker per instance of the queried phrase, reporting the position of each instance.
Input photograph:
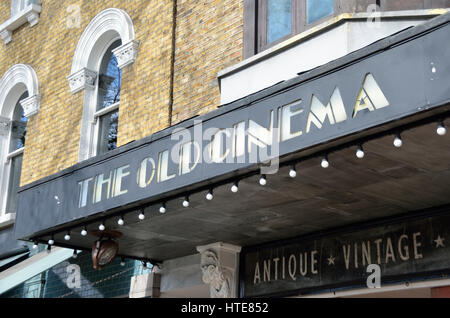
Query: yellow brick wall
(209, 38)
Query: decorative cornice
(33, 18)
(30, 14)
(220, 246)
(83, 79)
(6, 36)
(127, 53)
(31, 105)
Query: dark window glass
(279, 19)
(18, 133)
(109, 125)
(14, 183)
(318, 9)
(110, 79)
(18, 127)
(110, 82)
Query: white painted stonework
(145, 286)
(220, 267)
(33, 18)
(126, 54)
(19, 79)
(31, 105)
(107, 26)
(6, 35)
(83, 79)
(28, 15)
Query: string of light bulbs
(441, 130)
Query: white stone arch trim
(106, 26)
(13, 84)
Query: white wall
(339, 39)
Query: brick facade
(209, 37)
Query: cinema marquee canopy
(375, 92)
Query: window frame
(299, 21)
(18, 80)
(97, 122)
(296, 18)
(97, 113)
(18, 6)
(106, 27)
(255, 18)
(10, 158)
(8, 167)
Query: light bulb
(325, 164)
(441, 130)
(186, 202)
(51, 241)
(162, 209)
(360, 153)
(121, 221)
(293, 173)
(263, 180)
(122, 262)
(141, 216)
(210, 195)
(75, 254)
(102, 227)
(84, 232)
(35, 245)
(67, 237)
(235, 188)
(398, 142)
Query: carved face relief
(214, 276)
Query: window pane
(110, 79)
(318, 9)
(279, 19)
(109, 125)
(18, 6)
(18, 126)
(14, 183)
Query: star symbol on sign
(439, 241)
(331, 260)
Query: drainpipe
(172, 62)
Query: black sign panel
(360, 91)
(417, 246)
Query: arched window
(19, 99)
(107, 115)
(15, 154)
(105, 48)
